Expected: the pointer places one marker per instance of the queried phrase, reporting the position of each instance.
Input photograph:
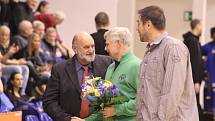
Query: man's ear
(74, 49)
(149, 25)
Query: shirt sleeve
(128, 108)
(176, 65)
(95, 117)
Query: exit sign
(188, 15)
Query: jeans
(7, 70)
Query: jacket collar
(72, 73)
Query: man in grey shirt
(166, 89)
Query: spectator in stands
(42, 14)
(62, 99)
(11, 65)
(52, 51)
(43, 8)
(102, 25)
(191, 40)
(25, 29)
(13, 89)
(39, 28)
(32, 54)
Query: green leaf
(116, 100)
(102, 105)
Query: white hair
(119, 34)
(38, 23)
(51, 30)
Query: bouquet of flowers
(100, 93)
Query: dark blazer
(99, 41)
(62, 98)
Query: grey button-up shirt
(166, 90)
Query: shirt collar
(79, 66)
(157, 41)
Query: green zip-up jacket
(125, 77)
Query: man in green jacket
(123, 73)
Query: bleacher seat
(11, 116)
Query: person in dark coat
(62, 99)
(22, 11)
(6, 11)
(102, 24)
(191, 40)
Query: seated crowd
(29, 46)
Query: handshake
(76, 119)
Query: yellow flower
(91, 90)
(97, 93)
(107, 83)
(89, 81)
(96, 79)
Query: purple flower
(104, 91)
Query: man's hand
(76, 119)
(197, 88)
(109, 112)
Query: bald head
(83, 46)
(25, 28)
(81, 37)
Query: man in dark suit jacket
(62, 99)
(102, 24)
